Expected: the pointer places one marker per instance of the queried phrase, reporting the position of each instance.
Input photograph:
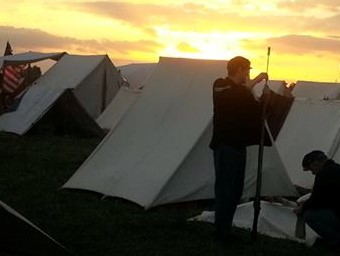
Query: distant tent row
(305, 89)
(87, 84)
(77, 90)
(316, 90)
(156, 150)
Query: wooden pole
(257, 201)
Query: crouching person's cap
(310, 157)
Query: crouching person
(322, 210)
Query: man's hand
(260, 77)
(299, 210)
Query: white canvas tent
(118, 107)
(137, 74)
(94, 81)
(310, 124)
(29, 57)
(316, 90)
(159, 152)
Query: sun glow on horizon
(304, 37)
(213, 45)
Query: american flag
(12, 76)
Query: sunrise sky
(304, 35)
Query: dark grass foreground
(32, 171)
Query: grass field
(32, 171)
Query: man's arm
(260, 77)
(319, 194)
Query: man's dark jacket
(326, 189)
(237, 115)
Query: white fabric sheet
(275, 220)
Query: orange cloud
(202, 18)
(295, 44)
(303, 5)
(23, 39)
(304, 44)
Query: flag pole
(257, 201)
(2, 95)
(8, 51)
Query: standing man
(237, 124)
(322, 210)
